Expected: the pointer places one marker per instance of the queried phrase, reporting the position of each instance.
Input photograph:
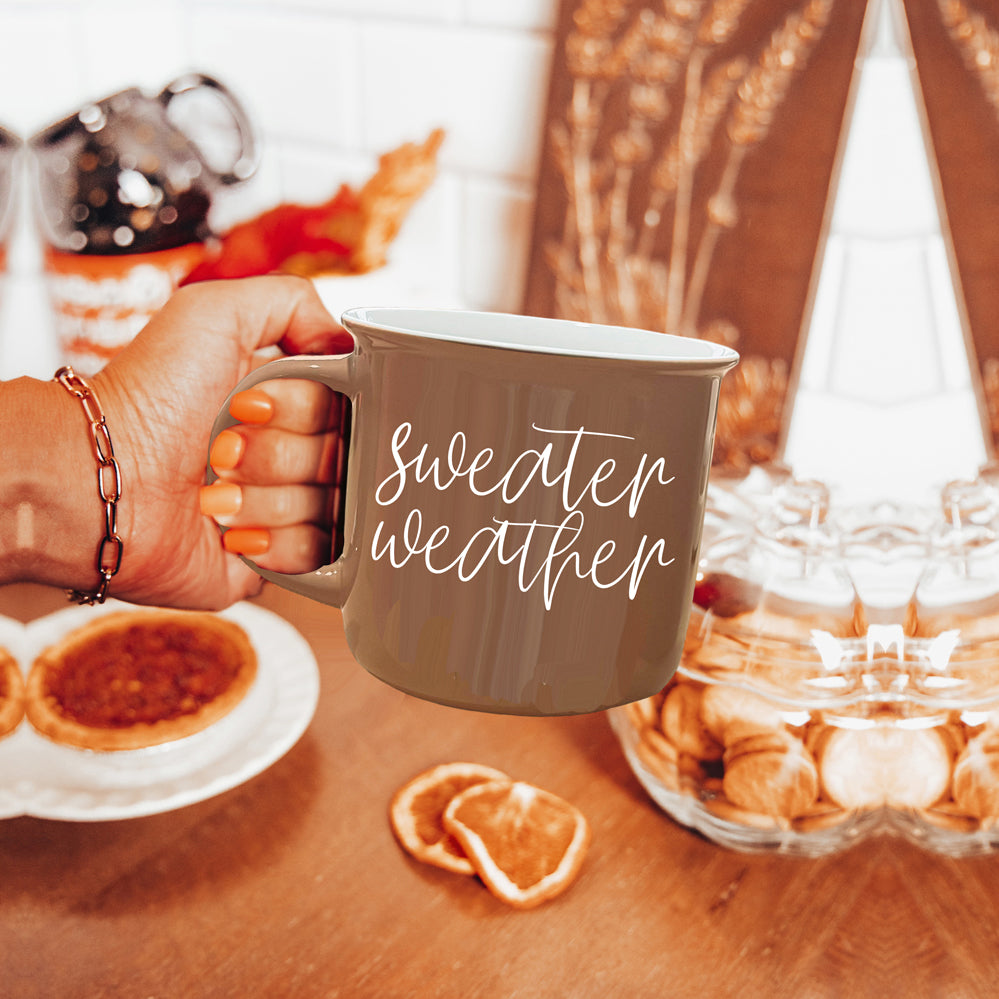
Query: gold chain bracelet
(108, 486)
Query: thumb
(286, 310)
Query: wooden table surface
(292, 885)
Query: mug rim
(564, 337)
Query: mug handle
(328, 584)
(246, 159)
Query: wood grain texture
(963, 132)
(292, 885)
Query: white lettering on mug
(542, 552)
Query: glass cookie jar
(840, 677)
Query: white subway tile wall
(331, 84)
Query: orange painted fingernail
(221, 499)
(251, 406)
(246, 540)
(227, 449)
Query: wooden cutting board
(686, 168)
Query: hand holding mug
(161, 393)
(279, 474)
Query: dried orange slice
(526, 844)
(417, 808)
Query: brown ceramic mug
(524, 501)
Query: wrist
(109, 550)
(54, 518)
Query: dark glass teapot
(129, 174)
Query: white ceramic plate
(40, 778)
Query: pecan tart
(132, 679)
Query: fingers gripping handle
(329, 583)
